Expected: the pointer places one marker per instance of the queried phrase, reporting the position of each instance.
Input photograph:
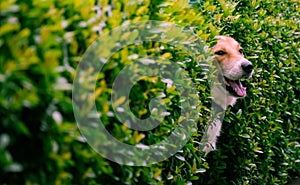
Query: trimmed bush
(42, 43)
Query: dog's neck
(221, 97)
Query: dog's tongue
(237, 87)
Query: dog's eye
(220, 53)
(241, 51)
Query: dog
(232, 66)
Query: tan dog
(233, 67)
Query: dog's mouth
(235, 87)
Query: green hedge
(42, 43)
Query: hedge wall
(43, 42)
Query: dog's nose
(247, 68)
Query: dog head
(230, 58)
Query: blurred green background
(42, 43)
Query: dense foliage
(42, 43)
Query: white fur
(230, 66)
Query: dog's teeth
(226, 83)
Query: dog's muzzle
(235, 87)
(247, 70)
